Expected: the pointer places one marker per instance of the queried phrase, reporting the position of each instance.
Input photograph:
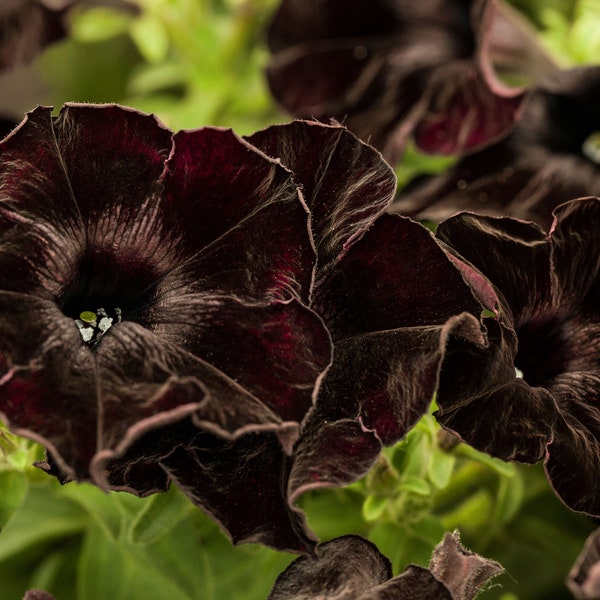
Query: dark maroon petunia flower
(27, 26)
(390, 297)
(550, 157)
(549, 286)
(352, 568)
(584, 578)
(389, 69)
(153, 294)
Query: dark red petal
(267, 255)
(343, 566)
(38, 214)
(165, 384)
(215, 180)
(48, 381)
(242, 485)
(465, 113)
(27, 27)
(391, 304)
(482, 401)
(344, 182)
(513, 255)
(542, 163)
(277, 351)
(331, 454)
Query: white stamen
(105, 324)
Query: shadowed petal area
(390, 302)
(41, 350)
(584, 579)
(551, 156)
(352, 568)
(388, 68)
(550, 289)
(251, 502)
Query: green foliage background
(200, 62)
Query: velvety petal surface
(39, 216)
(549, 157)
(41, 350)
(242, 485)
(463, 572)
(551, 288)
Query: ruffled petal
(242, 485)
(344, 182)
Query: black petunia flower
(551, 156)
(352, 568)
(151, 283)
(548, 286)
(389, 69)
(390, 297)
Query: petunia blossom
(352, 568)
(390, 69)
(153, 294)
(551, 156)
(390, 297)
(547, 327)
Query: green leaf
(440, 468)
(374, 506)
(108, 569)
(98, 24)
(511, 493)
(151, 37)
(501, 467)
(44, 515)
(415, 485)
(13, 486)
(160, 513)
